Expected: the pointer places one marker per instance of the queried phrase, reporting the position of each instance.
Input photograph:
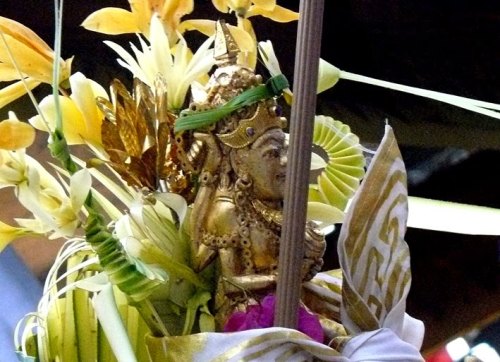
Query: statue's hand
(314, 249)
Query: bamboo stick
(308, 48)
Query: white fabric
(380, 345)
(413, 331)
(269, 344)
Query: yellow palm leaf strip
(29, 60)
(347, 179)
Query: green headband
(192, 119)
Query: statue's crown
(225, 50)
(235, 105)
(248, 130)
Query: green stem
(58, 11)
(60, 151)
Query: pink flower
(262, 316)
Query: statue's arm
(203, 256)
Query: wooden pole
(291, 255)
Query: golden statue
(237, 213)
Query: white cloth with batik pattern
(375, 261)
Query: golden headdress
(235, 106)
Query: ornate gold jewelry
(267, 213)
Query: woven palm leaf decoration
(344, 165)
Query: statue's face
(265, 162)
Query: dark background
(451, 154)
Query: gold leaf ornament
(123, 135)
(137, 135)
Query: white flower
(12, 168)
(179, 68)
(54, 211)
(42, 194)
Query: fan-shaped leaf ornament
(345, 164)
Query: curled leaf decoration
(345, 163)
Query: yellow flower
(14, 134)
(120, 21)
(80, 115)
(266, 8)
(328, 74)
(24, 55)
(10, 233)
(179, 68)
(245, 41)
(115, 21)
(245, 9)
